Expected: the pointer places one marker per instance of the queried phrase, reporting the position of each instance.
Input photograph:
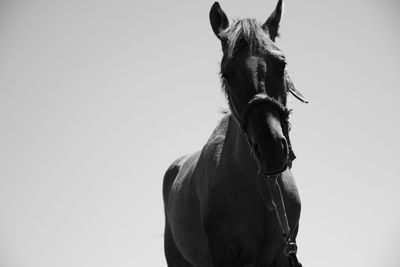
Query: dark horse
(218, 209)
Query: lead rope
(290, 249)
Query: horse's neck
(231, 146)
(225, 157)
(241, 153)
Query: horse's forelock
(248, 31)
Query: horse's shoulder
(170, 176)
(178, 171)
(179, 162)
(194, 168)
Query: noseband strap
(264, 99)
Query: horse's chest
(240, 228)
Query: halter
(264, 99)
(278, 203)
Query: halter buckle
(290, 248)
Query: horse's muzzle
(272, 159)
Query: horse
(219, 208)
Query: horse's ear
(218, 19)
(272, 23)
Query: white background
(98, 97)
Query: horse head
(256, 84)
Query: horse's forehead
(256, 65)
(269, 50)
(259, 61)
(272, 51)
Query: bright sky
(98, 97)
